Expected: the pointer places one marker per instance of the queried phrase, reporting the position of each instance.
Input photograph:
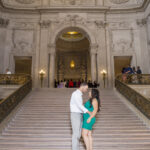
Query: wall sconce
(72, 64)
(103, 72)
(42, 73)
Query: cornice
(100, 9)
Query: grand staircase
(42, 122)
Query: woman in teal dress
(93, 105)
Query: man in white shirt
(77, 109)
(8, 71)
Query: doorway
(23, 65)
(72, 56)
(121, 62)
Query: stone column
(43, 54)
(4, 48)
(145, 60)
(148, 30)
(93, 62)
(52, 66)
(148, 36)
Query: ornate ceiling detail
(119, 1)
(77, 5)
(72, 36)
(76, 46)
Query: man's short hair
(83, 84)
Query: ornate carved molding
(25, 1)
(74, 19)
(120, 25)
(52, 48)
(4, 22)
(23, 25)
(69, 20)
(122, 41)
(100, 24)
(83, 5)
(23, 42)
(119, 1)
(141, 22)
(45, 23)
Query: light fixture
(72, 64)
(42, 73)
(104, 72)
(72, 32)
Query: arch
(57, 32)
(81, 28)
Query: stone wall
(28, 4)
(112, 34)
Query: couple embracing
(83, 116)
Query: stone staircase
(42, 122)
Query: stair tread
(43, 123)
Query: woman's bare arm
(95, 105)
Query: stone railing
(135, 79)
(18, 79)
(138, 100)
(9, 103)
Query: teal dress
(86, 125)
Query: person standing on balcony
(8, 71)
(139, 74)
(139, 71)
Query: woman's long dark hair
(95, 94)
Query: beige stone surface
(6, 90)
(124, 30)
(142, 89)
(42, 122)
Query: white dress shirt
(76, 102)
(8, 72)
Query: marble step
(43, 123)
(68, 146)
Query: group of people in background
(74, 84)
(131, 70)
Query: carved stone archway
(71, 22)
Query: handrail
(18, 79)
(134, 78)
(139, 101)
(9, 103)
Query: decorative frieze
(25, 1)
(120, 25)
(119, 1)
(122, 41)
(100, 24)
(4, 22)
(23, 25)
(82, 4)
(73, 20)
(141, 22)
(45, 23)
(23, 41)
